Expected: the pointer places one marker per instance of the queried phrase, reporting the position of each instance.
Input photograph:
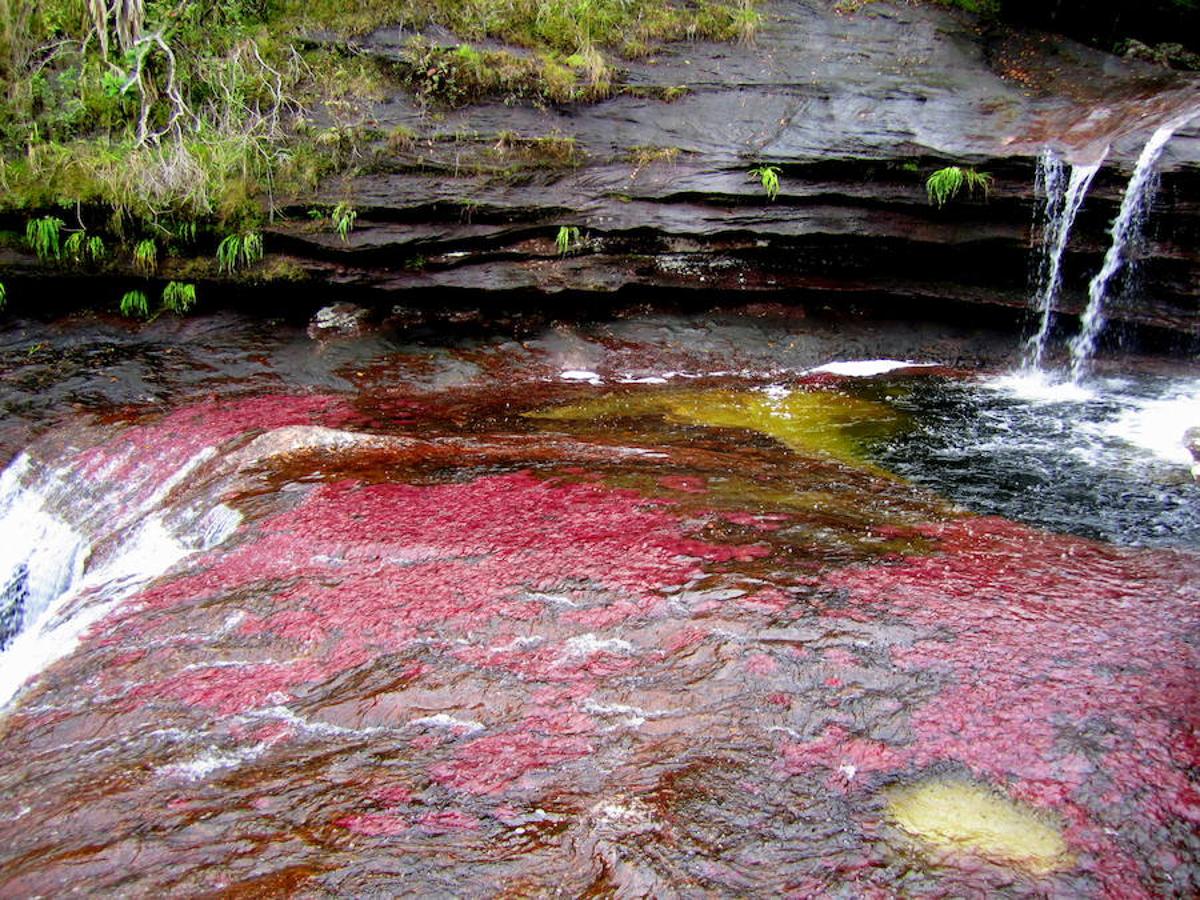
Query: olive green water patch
(953, 814)
(821, 423)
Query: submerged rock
(339, 320)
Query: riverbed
(753, 601)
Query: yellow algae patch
(956, 814)
(823, 423)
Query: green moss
(815, 423)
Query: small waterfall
(76, 543)
(1058, 215)
(1139, 194)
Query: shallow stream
(670, 605)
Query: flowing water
(669, 605)
(1126, 228)
(1061, 205)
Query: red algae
(1049, 643)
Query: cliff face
(855, 109)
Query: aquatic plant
(568, 239)
(769, 177)
(42, 236)
(178, 297)
(343, 219)
(944, 184)
(237, 251)
(145, 256)
(134, 304)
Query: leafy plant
(769, 177)
(134, 304)
(237, 251)
(3, 295)
(178, 297)
(944, 184)
(145, 256)
(568, 239)
(343, 219)
(42, 236)
(79, 247)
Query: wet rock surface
(484, 626)
(856, 109)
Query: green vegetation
(343, 220)
(80, 247)
(154, 116)
(568, 240)
(42, 236)
(134, 305)
(178, 297)
(945, 184)
(769, 177)
(643, 156)
(3, 295)
(145, 256)
(237, 251)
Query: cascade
(77, 541)
(1058, 215)
(1135, 204)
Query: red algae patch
(375, 569)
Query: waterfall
(1058, 215)
(77, 543)
(1139, 194)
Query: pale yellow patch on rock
(957, 814)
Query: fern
(145, 256)
(80, 248)
(179, 297)
(134, 304)
(944, 184)
(769, 177)
(343, 219)
(238, 251)
(42, 236)
(568, 239)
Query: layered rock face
(855, 109)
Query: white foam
(581, 375)
(584, 644)
(866, 368)
(445, 720)
(1038, 386)
(1158, 426)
